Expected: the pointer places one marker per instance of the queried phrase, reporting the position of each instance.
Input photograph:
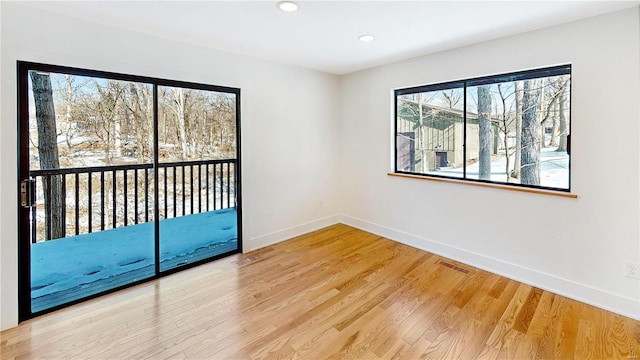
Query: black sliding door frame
(24, 226)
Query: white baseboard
(288, 233)
(597, 297)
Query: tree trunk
(147, 95)
(530, 153)
(541, 114)
(505, 131)
(563, 128)
(117, 121)
(107, 106)
(69, 102)
(179, 100)
(106, 147)
(68, 98)
(48, 153)
(117, 133)
(141, 121)
(516, 166)
(484, 123)
(421, 140)
(555, 128)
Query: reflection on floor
(71, 268)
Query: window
(506, 129)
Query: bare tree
(422, 146)
(530, 149)
(544, 115)
(179, 104)
(516, 166)
(48, 153)
(505, 127)
(563, 128)
(139, 107)
(69, 90)
(106, 120)
(68, 97)
(452, 98)
(554, 90)
(555, 125)
(223, 108)
(484, 124)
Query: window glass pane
(544, 159)
(517, 132)
(430, 132)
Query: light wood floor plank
(335, 293)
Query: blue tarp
(64, 264)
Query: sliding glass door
(122, 178)
(196, 166)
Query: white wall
(575, 247)
(289, 118)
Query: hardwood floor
(336, 293)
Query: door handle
(27, 192)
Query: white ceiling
(322, 35)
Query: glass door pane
(196, 175)
(91, 162)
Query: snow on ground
(63, 264)
(554, 169)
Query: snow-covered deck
(75, 267)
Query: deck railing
(107, 197)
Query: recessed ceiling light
(288, 6)
(366, 38)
